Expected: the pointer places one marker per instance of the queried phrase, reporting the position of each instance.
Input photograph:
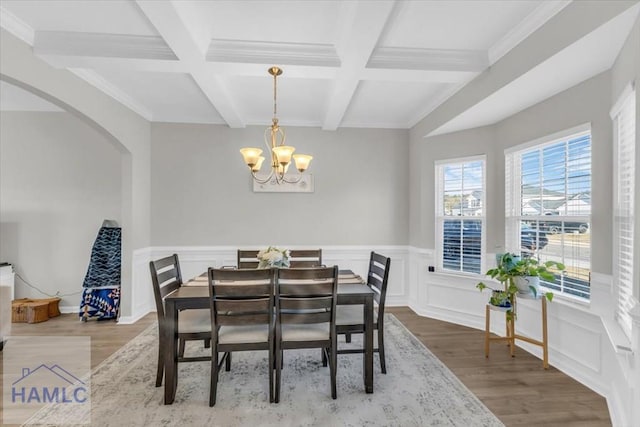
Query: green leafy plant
(512, 265)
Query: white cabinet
(6, 296)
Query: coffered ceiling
(346, 63)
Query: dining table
(194, 294)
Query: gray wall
(59, 179)
(587, 102)
(202, 195)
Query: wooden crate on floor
(26, 310)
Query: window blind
(625, 136)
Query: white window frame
(441, 217)
(625, 169)
(513, 199)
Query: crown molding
(428, 59)
(99, 82)
(536, 19)
(259, 52)
(16, 26)
(101, 45)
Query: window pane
(461, 247)
(556, 184)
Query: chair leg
(347, 337)
(227, 363)
(213, 388)
(383, 364)
(181, 347)
(324, 357)
(207, 343)
(333, 366)
(271, 399)
(160, 366)
(278, 372)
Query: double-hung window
(460, 214)
(548, 206)
(624, 125)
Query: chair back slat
(306, 288)
(305, 318)
(296, 303)
(242, 305)
(224, 319)
(305, 258)
(165, 278)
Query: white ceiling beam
(165, 18)
(249, 51)
(99, 82)
(362, 25)
(419, 76)
(101, 45)
(429, 59)
(16, 26)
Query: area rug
(418, 390)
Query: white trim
(16, 26)
(628, 90)
(428, 59)
(260, 52)
(550, 139)
(536, 19)
(100, 83)
(101, 45)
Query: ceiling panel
(92, 16)
(474, 25)
(271, 21)
(171, 97)
(388, 104)
(300, 101)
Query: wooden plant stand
(511, 336)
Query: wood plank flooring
(517, 390)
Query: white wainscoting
(578, 342)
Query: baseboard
(128, 320)
(66, 309)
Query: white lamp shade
(302, 161)
(250, 155)
(283, 153)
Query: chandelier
(281, 154)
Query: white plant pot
(525, 283)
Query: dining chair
(305, 258)
(193, 324)
(306, 315)
(350, 318)
(247, 258)
(242, 317)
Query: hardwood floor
(517, 390)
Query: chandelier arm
(260, 180)
(289, 181)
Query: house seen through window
(548, 203)
(460, 214)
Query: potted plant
(521, 275)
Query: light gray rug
(418, 390)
